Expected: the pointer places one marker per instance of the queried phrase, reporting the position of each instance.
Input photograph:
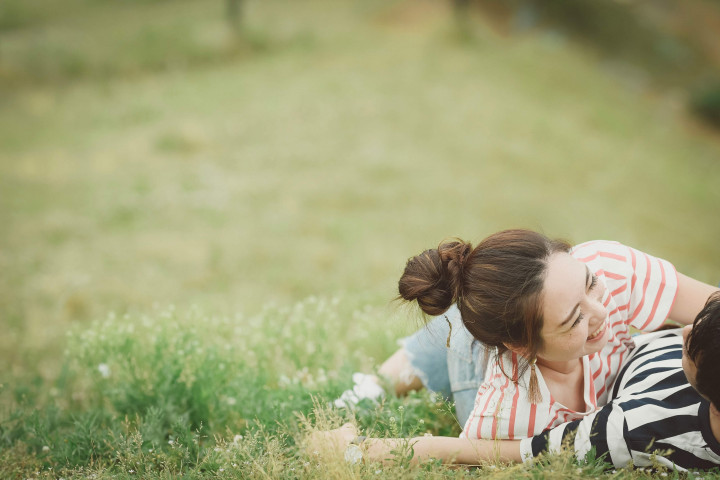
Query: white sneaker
(365, 387)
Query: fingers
(332, 442)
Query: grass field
(245, 205)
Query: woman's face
(575, 320)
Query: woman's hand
(332, 443)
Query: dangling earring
(447, 343)
(534, 395)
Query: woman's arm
(447, 449)
(690, 299)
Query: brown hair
(496, 285)
(703, 348)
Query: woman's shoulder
(502, 379)
(606, 258)
(502, 409)
(642, 287)
(599, 249)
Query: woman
(556, 318)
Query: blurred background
(241, 153)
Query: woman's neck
(565, 381)
(560, 368)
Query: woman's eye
(593, 282)
(576, 322)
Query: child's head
(702, 351)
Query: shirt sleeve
(653, 287)
(493, 413)
(502, 410)
(600, 432)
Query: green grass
(235, 177)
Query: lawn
(220, 220)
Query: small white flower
(353, 454)
(663, 474)
(171, 442)
(421, 422)
(104, 370)
(217, 449)
(131, 471)
(237, 438)
(45, 449)
(221, 470)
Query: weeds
(183, 393)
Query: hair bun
(454, 255)
(434, 278)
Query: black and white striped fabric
(655, 413)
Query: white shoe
(365, 387)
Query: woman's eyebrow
(572, 313)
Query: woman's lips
(598, 333)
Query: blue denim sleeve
(456, 371)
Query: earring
(534, 395)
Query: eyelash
(593, 282)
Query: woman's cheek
(581, 336)
(575, 340)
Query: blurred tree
(705, 103)
(461, 8)
(233, 9)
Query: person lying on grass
(529, 333)
(664, 411)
